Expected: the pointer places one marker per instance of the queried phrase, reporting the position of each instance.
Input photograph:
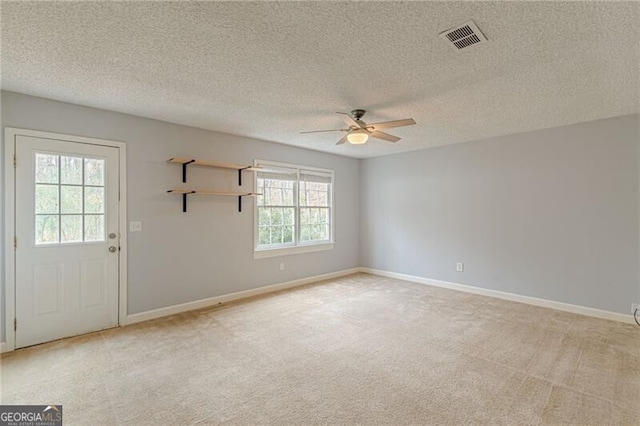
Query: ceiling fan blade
(342, 139)
(322, 131)
(384, 136)
(349, 121)
(390, 124)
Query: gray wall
(208, 251)
(550, 214)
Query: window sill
(285, 251)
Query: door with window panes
(67, 238)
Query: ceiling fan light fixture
(357, 137)
(358, 131)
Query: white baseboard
(545, 303)
(3, 347)
(211, 301)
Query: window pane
(46, 168)
(314, 224)
(316, 194)
(93, 200)
(304, 232)
(304, 216)
(263, 236)
(322, 232)
(315, 233)
(263, 216)
(273, 196)
(94, 227)
(71, 199)
(287, 197)
(93, 171)
(276, 216)
(46, 199)
(276, 225)
(269, 231)
(324, 216)
(287, 236)
(276, 192)
(71, 170)
(71, 228)
(324, 198)
(288, 216)
(47, 229)
(325, 232)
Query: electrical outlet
(459, 267)
(282, 266)
(635, 307)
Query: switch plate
(135, 226)
(459, 267)
(282, 266)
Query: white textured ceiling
(272, 69)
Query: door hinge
(15, 324)
(15, 243)
(15, 162)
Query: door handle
(112, 249)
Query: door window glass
(69, 199)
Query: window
(294, 212)
(69, 199)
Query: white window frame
(298, 247)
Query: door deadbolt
(112, 235)
(112, 249)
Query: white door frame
(10, 224)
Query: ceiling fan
(359, 132)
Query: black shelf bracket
(184, 170)
(240, 201)
(184, 199)
(240, 175)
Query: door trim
(10, 135)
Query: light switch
(135, 226)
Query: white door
(67, 238)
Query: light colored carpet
(355, 350)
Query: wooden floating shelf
(185, 192)
(186, 161)
(206, 163)
(209, 192)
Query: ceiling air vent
(464, 35)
